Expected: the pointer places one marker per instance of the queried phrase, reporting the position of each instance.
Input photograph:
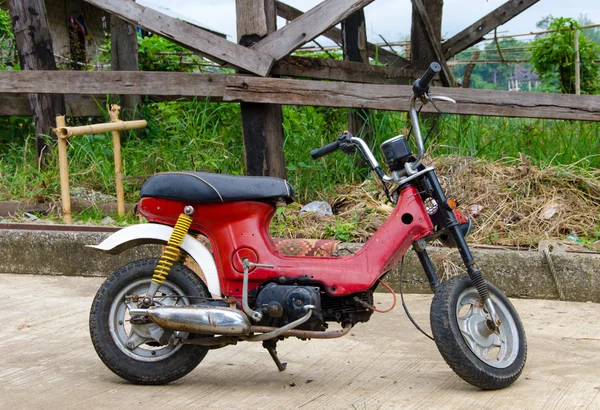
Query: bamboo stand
(63, 133)
(114, 117)
(64, 171)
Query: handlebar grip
(421, 86)
(327, 149)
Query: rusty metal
(270, 345)
(281, 330)
(305, 334)
(221, 341)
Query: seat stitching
(201, 179)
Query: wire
(411, 124)
(437, 119)
(434, 123)
(385, 285)
(406, 308)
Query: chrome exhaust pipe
(211, 320)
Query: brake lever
(441, 98)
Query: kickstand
(270, 346)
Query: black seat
(206, 187)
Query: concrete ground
(47, 361)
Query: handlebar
(348, 143)
(327, 149)
(421, 86)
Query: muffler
(197, 319)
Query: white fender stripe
(136, 235)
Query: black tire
(177, 362)
(511, 352)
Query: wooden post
(34, 44)
(469, 70)
(432, 36)
(65, 193)
(261, 123)
(124, 57)
(421, 54)
(577, 64)
(354, 43)
(114, 117)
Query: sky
(391, 18)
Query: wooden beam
(34, 45)
(300, 92)
(434, 43)
(396, 97)
(188, 35)
(262, 124)
(79, 105)
(337, 70)
(307, 27)
(475, 32)
(335, 34)
(290, 13)
(299, 67)
(112, 82)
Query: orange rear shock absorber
(172, 253)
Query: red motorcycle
(154, 320)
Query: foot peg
(270, 346)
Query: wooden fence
(262, 50)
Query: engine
(351, 308)
(282, 304)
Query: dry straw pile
(511, 202)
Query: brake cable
(440, 113)
(406, 308)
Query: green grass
(207, 136)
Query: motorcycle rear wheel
(488, 360)
(144, 361)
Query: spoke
(470, 341)
(481, 351)
(462, 324)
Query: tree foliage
(593, 33)
(492, 75)
(553, 58)
(156, 53)
(8, 49)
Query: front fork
(433, 187)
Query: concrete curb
(520, 274)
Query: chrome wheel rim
(498, 348)
(139, 341)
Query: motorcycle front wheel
(138, 350)
(484, 358)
